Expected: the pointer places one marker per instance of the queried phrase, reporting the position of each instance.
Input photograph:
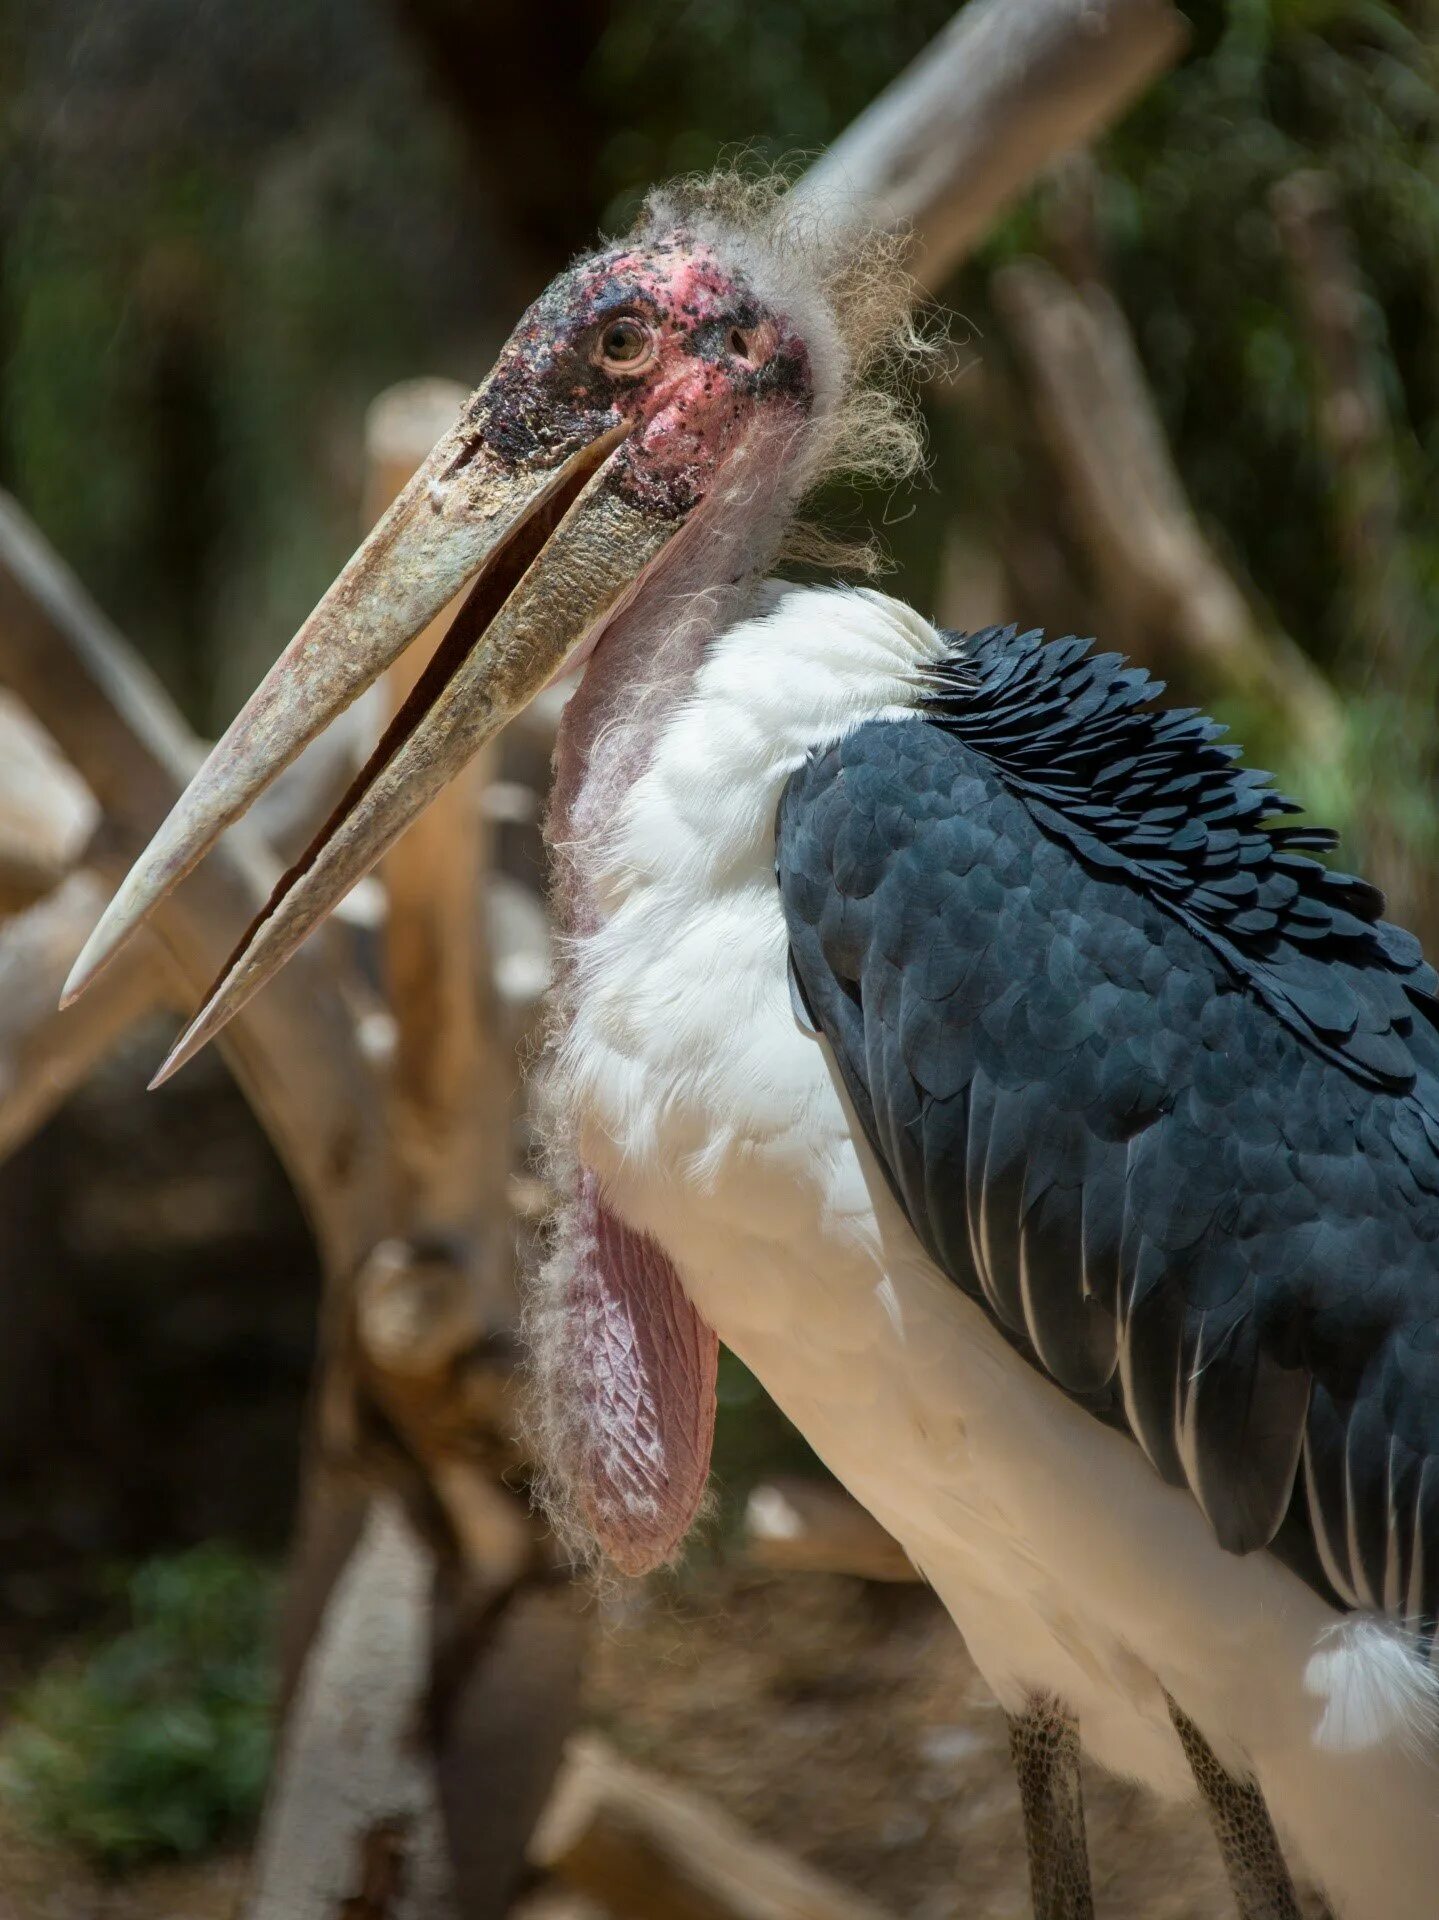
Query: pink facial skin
(643, 1375)
(713, 359)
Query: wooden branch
(652, 1851)
(506, 1627)
(499, 1728)
(46, 1054)
(1005, 89)
(352, 1824)
(428, 1304)
(1355, 429)
(312, 786)
(436, 1312)
(1388, 646)
(295, 1050)
(451, 1090)
(1128, 504)
(46, 814)
(418, 1368)
(443, 1379)
(797, 1525)
(522, 962)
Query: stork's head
(657, 359)
(702, 373)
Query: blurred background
(1192, 405)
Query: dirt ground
(845, 1722)
(841, 1720)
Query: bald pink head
(664, 338)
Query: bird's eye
(739, 343)
(626, 344)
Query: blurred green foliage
(752, 1441)
(1348, 86)
(222, 229)
(1270, 86)
(1184, 234)
(778, 80)
(158, 1741)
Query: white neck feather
(803, 668)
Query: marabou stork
(954, 1033)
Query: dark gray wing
(1152, 1086)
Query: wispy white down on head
(842, 282)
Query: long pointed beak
(550, 555)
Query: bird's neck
(708, 580)
(607, 736)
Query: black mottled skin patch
(548, 396)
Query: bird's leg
(1248, 1844)
(1044, 1745)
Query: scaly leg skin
(1044, 1745)
(1248, 1844)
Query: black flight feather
(1154, 1087)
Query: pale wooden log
(46, 812)
(352, 1825)
(640, 1847)
(1006, 88)
(451, 1092)
(361, 1576)
(443, 1378)
(295, 1050)
(312, 786)
(432, 1308)
(796, 1525)
(1152, 561)
(522, 962)
(425, 1303)
(46, 1054)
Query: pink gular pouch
(641, 1368)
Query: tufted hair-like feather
(843, 283)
